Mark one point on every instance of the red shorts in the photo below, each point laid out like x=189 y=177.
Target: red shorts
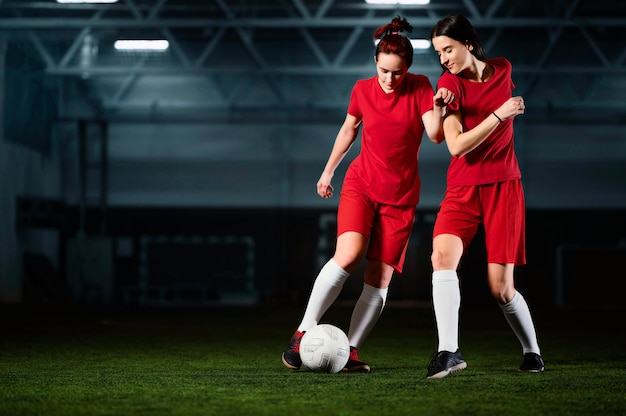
x=499 y=206
x=388 y=227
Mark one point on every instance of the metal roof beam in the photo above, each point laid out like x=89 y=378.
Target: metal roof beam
x=24 y=23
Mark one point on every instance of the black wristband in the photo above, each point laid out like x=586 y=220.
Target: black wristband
x=499 y=119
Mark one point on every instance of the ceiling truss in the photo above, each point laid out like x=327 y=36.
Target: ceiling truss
x=299 y=55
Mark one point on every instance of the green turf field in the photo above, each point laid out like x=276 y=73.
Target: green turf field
x=227 y=362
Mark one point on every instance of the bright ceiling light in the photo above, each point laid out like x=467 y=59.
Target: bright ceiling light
x=416 y=43
x=415 y=2
x=420 y=43
x=141 y=45
x=87 y=1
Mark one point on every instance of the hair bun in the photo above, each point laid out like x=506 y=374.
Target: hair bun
x=397 y=25
x=401 y=25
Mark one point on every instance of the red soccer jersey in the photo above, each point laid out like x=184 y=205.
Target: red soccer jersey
x=494 y=159
x=386 y=169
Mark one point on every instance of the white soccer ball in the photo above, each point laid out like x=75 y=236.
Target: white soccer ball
x=325 y=348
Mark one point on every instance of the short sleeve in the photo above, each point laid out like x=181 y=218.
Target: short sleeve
x=451 y=83
x=353 y=107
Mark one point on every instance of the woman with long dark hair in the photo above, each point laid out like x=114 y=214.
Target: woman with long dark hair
x=483 y=186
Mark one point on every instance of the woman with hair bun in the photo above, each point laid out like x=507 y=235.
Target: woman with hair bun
x=381 y=187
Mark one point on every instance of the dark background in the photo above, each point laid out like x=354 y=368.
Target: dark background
x=188 y=177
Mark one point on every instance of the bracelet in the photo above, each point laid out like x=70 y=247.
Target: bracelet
x=499 y=119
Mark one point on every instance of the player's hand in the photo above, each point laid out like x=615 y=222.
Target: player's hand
x=514 y=106
x=443 y=97
x=324 y=188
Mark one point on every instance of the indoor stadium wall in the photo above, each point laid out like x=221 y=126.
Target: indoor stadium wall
x=216 y=214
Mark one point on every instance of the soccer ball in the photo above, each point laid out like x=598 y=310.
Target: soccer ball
x=325 y=348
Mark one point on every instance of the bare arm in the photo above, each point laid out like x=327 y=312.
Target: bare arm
x=461 y=143
x=433 y=119
x=345 y=138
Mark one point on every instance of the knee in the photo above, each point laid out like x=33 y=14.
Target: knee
x=347 y=260
x=442 y=260
x=502 y=294
x=447 y=252
x=378 y=274
x=499 y=297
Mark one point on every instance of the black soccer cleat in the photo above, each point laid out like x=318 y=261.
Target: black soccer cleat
x=354 y=365
x=533 y=363
x=444 y=363
x=291 y=356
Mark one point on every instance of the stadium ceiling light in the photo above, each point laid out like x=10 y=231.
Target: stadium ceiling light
x=416 y=43
x=420 y=43
x=87 y=1
x=414 y=2
x=141 y=45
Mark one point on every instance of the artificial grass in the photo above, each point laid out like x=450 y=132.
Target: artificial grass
x=226 y=361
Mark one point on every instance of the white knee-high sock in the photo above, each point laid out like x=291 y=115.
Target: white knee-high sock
x=326 y=288
x=446 y=303
x=366 y=312
x=518 y=316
